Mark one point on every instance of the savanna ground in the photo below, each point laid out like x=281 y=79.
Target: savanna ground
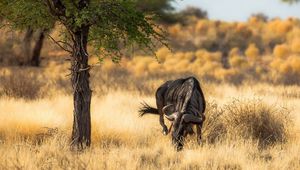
x=253 y=112
x=251 y=126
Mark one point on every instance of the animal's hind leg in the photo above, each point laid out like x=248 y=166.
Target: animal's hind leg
x=160 y=104
x=162 y=123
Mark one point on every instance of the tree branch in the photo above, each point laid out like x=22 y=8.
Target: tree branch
x=66 y=43
x=58 y=43
x=56 y=9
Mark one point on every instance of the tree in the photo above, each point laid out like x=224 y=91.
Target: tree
x=162 y=8
x=193 y=11
x=107 y=25
x=260 y=17
x=32 y=55
x=189 y=13
x=14 y=13
x=166 y=13
x=36 y=52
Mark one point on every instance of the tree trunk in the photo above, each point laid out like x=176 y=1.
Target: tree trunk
x=35 y=59
x=81 y=134
x=27 y=45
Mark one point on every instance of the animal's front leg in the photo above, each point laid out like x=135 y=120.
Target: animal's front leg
x=199 y=127
x=162 y=123
x=199 y=130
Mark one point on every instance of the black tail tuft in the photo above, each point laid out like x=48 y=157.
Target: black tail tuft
x=145 y=109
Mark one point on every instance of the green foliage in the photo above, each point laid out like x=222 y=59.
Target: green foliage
x=166 y=13
x=113 y=24
x=129 y=26
x=162 y=8
x=22 y=14
x=159 y=6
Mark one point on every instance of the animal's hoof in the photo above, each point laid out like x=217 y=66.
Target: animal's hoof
x=179 y=148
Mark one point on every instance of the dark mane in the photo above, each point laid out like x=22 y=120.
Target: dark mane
x=197 y=86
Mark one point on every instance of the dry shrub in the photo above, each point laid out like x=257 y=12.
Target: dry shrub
x=233 y=76
x=175 y=30
x=21 y=84
x=214 y=127
x=286 y=71
x=295 y=46
x=281 y=51
x=252 y=52
x=247 y=119
x=294 y=61
x=256 y=120
x=238 y=61
x=290 y=78
x=234 y=52
x=279 y=27
x=162 y=53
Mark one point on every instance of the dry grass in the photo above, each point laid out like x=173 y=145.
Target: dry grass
x=21 y=84
x=256 y=120
x=34 y=134
x=249 y=125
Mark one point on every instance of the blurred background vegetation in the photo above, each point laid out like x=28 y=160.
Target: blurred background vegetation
x=261 y=49
x=249 y=72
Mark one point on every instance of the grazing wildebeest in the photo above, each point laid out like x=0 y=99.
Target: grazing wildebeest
x=182 y=102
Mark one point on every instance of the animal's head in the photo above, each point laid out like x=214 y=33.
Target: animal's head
x=182 y=123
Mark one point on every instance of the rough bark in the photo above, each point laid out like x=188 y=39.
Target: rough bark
x=81 y=134
x=35 y=58
x=27 y=45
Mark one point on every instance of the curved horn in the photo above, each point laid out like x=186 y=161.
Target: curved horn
x=189 y=118
x=165 y=108
x=172 y=117
x=168 y=112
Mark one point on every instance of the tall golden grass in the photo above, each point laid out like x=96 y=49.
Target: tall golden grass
x=252 y=126
x=249 y=125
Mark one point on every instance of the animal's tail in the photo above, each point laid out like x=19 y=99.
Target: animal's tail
x=146 y=109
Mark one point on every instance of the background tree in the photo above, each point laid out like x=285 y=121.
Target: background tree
x=260 y=16
x=290 y=1
x=166 y=12
x=14 y=14
x=189 y=15
x=32 y=54
x=162 y=8
x=107 y=25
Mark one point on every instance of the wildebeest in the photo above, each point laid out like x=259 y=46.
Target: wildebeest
x=182 y=102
